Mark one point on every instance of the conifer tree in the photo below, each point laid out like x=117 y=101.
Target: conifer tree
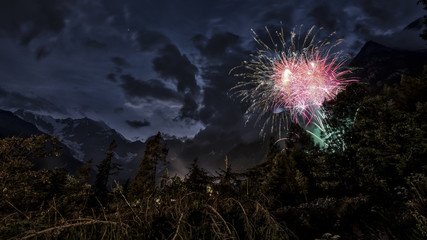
x=83 y=173
x=229 y=180
x=282 y=183
x=145 y=179
x=165 y=179
x=104 y=171
x=272 y=151
x=423 y=35
x=197 y=178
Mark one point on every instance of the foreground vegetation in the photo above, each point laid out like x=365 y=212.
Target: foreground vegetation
x=370 y=182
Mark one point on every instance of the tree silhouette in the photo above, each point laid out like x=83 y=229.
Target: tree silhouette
x=83 y=173
x=282 y=184
x=197 y=178
x=423 y=35
x=145 y=179
x=104 y=171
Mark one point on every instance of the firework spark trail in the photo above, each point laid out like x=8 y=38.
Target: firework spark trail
x=291 y=83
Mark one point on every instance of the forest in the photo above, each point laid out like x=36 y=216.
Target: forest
x=369 y=182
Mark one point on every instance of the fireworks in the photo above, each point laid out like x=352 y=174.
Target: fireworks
x=290 y=82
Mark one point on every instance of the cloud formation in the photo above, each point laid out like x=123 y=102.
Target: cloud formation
x=94 y=44
x=26 y=19
x=217 y=45
x=150 y=40
x=137 y=91
x=171 y=64
x=138 y=124
x=15 y=100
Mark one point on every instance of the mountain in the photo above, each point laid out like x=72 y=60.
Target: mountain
x=415 y=25
x=89 y=140
x=11 y=125
x=377 y=65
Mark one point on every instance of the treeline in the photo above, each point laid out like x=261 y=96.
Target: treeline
x=369 y=182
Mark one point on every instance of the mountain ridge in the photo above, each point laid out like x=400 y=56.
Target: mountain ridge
x=378 y=65
x=11 y=125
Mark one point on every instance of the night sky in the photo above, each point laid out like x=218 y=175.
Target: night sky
x=144 y=66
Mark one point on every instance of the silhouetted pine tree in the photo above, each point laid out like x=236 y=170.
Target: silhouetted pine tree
x=104 y=171
x=83 y=173
x=145 y=179
x=229 y=181
x=423 y=35
x=282 y=183
x=273 y=149
x=288 y=178
x=256 y=177
x=300 y=147
x=197 y=178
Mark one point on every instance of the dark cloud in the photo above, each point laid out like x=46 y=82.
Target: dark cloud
x=138 y=124
x=199 y=41
x=15 y=100
x=325 y=16
x=137 y=91
x=222 y=116
x=120 y=62
x=407 y=39
x=277 y=14
x=119 y=110
x=218 y=109
x=217 y=45
x=42 y=52
x=112 y=77
x=362 y=29
x=27 y=19
x=416 y=25
x=388 y=13
x=352 y=20
x=149 y=40
x=189 y=108
x=171 y=64
x=95 y=44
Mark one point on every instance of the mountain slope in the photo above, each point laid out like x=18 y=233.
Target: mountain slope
x=11 y=125
x=89 y=140
x=378 y=65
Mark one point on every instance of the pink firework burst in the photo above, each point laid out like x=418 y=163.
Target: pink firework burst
x=302 y=83
x=290 y=81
